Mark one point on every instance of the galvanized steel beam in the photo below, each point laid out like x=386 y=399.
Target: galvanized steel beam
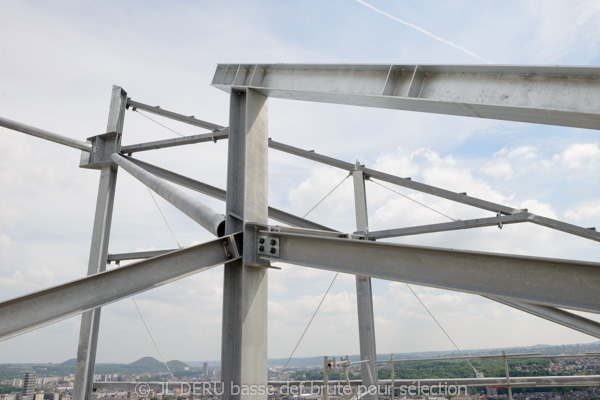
x=90 y=320
x=180 y=141
x=556 y=95
x=274 y=213
x=244 y=332
x=44 y=134
x=193 y=208
x=446 y=194
x=45 y=307
x=175 y=116
x=405 y=182
x=450 y=226
x=364 y=292
x=551 y=282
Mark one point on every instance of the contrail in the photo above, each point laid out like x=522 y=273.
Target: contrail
x=423 y=31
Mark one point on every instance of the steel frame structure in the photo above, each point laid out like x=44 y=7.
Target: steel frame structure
x=247 y=245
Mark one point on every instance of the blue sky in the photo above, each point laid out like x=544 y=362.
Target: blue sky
x=61 y=58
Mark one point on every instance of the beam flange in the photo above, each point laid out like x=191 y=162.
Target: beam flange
x=45 y=307
x=551 y=282
x=556 y=95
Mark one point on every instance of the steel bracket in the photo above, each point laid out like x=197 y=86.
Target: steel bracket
x=232 y=244
x=257 y=244
x=104 y=145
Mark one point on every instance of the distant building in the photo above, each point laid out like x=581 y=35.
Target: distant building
x=28 y=386
x=39 y=396
x=205 y=369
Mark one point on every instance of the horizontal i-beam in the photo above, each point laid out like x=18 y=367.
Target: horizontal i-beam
x=175 y=116
x=43 y=134
x=193 y=208
x=551 y=282
x=556 y=95
x=45 y=307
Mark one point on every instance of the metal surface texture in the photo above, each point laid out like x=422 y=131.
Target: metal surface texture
x=90 y=320
x=364 y=292
x=244 y=331
x=551 y=282
x=41 y=308
x=43 y=134
x=193 y=208
x=554 y=95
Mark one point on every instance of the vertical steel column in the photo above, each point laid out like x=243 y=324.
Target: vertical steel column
x=244 y=334
x=364 y=294
x=90 y=320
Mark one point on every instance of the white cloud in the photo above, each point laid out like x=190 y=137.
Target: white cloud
x=585 y=211
x=506 y=164
x=580 y=156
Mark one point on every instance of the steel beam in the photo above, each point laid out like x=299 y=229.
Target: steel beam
x=556 y=315
x=551 y=282
x=45 y=307
x=244 y=333
x=181 y=141
x=438 y=192
x=193 y=208
x=364 y=292
x=175 y=116
x=450 y=226
x=90 y=320
x=405 y=182
x=43 y=134
x=221 y=194
x=566 y=96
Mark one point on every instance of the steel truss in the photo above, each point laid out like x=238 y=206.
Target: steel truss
x=568 y=96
